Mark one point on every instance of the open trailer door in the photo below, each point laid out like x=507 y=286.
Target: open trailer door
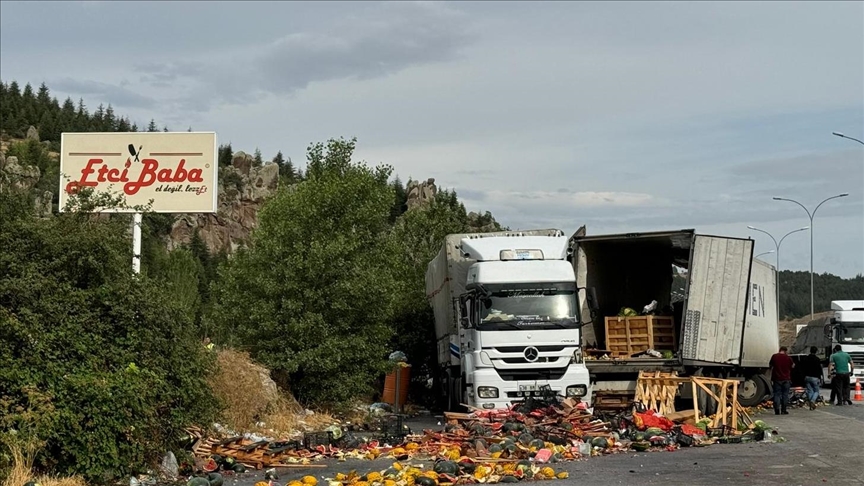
x=716 y=309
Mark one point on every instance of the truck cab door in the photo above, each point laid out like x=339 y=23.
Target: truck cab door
x=465 y=315
x=716 y=306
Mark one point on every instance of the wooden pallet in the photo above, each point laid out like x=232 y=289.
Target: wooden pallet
x=725 y=393
x=657 y=390
x=626 y=336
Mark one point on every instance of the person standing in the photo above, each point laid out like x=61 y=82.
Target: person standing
x=811 y=368
x=843 y=368
x=781 y=380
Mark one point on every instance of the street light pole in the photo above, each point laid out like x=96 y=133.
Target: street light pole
x=764 y=253
x=811 y=216
x=777 y=246
x=844 y=136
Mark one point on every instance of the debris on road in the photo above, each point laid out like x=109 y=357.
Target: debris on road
x=528 y=437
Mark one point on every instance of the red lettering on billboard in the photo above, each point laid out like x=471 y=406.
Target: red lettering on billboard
x=151 y=173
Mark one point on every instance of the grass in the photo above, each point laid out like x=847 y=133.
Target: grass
x=22 y=468
x=250 y=397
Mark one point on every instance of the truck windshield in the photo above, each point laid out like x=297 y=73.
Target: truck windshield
x=529 y=307
x=851 y=332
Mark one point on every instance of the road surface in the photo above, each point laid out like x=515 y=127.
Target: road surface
x=823 y=446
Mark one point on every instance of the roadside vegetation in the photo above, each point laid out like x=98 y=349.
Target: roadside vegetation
x=102 y=370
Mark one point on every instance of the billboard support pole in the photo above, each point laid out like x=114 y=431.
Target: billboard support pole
x=136 y=243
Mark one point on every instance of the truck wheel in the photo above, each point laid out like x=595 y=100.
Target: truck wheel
x=751 y=391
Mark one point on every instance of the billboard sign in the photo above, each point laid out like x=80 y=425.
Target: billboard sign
x=177 y=171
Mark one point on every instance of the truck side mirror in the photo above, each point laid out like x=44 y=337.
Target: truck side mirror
x=833 y=321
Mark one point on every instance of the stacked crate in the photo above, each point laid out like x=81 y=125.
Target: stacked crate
x=626 y=336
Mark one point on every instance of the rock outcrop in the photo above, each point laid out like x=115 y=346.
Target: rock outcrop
x=421 y=193
x=17 y=176
x=33 y=133
x=242 y=190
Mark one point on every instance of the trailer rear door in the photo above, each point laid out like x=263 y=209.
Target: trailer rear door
x=716 y=306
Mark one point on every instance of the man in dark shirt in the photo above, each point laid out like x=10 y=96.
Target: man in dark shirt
x=781 y=379
x=811 y=368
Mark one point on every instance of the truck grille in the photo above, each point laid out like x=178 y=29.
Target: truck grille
x=529 y=375
x=521 y=349
x=857 y=358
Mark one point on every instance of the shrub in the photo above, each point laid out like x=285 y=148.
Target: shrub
x=97 y=363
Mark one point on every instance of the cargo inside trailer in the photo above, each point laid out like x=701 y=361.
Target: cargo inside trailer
x=631 y=272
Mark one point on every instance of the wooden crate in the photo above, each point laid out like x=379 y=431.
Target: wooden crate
x=612 y=400
x=626 y=336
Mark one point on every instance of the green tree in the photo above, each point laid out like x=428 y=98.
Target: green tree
x=151 y=127
x=258 y=161
x=97 y=364
x=400 y=201
x=182 y=273
x=287 y=173
x=314 y=292
x=226 y=154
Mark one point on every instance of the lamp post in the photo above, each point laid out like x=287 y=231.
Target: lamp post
x=764 y=253
x=811 y=216
x=777 y=246
x=844 y=136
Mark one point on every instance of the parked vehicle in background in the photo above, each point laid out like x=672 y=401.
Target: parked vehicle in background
x=845 y=327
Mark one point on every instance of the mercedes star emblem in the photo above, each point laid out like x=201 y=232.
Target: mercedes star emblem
x=531 y=354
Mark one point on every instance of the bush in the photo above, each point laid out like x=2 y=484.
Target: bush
x=98 y=364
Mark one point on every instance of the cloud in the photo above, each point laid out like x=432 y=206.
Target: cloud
x=117 y=96
x=381 y=40
x=576 y=199
x=166 y=74
x=385 y=40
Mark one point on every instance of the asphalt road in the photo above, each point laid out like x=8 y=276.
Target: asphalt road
x=823 y=446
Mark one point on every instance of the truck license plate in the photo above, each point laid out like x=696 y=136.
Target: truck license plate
x=527 y=387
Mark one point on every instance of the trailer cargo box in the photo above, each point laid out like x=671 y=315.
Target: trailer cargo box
x=632 y=270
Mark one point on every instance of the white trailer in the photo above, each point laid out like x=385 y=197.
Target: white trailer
x=506 y=318
x=725 y=317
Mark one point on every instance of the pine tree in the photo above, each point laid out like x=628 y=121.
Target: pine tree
x=400 y=202
x=98 y=119
x=47 y=127
x=82 y=117
x=286 y=169
x=43 y=100
x=110 y=122
x=152 y=126
x=123 y=125
x=226 y=154
x=4 y=101
x=258 y=162
x=279 y=159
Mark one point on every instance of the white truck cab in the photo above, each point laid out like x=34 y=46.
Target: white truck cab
x=516 y=330
x=847 y=330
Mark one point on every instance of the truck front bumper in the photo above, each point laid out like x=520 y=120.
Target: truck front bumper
x=489 y=391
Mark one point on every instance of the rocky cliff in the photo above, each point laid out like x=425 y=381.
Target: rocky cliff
x=242 y=191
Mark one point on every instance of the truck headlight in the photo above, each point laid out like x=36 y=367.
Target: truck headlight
x=487 y=392
x=577 y=356
x=577 y=390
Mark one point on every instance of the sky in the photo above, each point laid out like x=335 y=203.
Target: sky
x=624 y=117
